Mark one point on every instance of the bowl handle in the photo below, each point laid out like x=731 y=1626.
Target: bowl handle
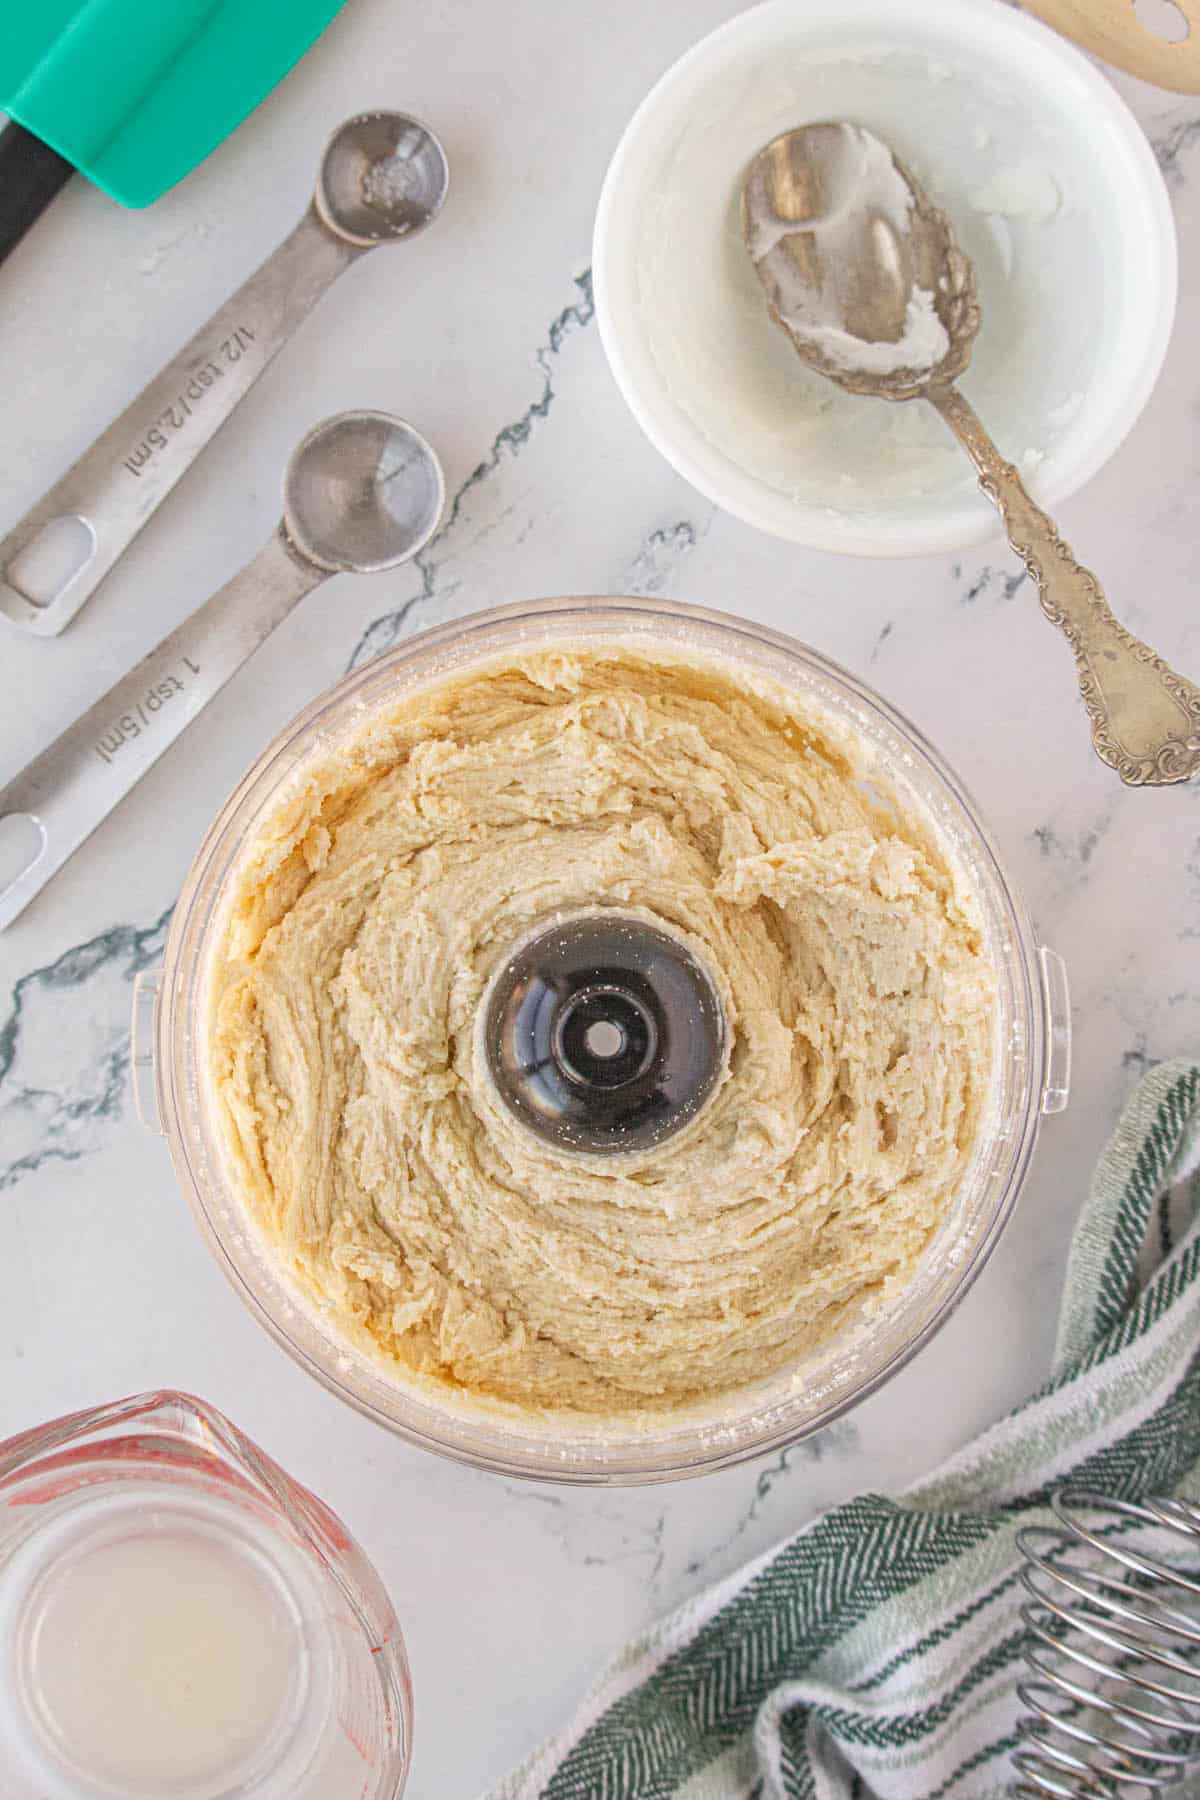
x=1057 y=1089
x=146 y=988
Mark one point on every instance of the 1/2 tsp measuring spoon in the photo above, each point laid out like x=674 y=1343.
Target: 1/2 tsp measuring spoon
x=363 y=492
x=383 y=177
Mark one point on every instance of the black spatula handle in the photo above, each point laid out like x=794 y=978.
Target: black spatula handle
x=31 y=173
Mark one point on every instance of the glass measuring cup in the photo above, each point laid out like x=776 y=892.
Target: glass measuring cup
x=180 y=1620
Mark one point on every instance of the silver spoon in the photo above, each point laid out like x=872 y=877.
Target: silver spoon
x=866 y=278
x=363 y=492
x=383 y=177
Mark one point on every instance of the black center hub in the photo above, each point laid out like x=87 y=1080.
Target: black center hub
x=604 y=1034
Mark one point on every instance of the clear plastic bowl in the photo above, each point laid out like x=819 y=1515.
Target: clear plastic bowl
x=1030 y=1067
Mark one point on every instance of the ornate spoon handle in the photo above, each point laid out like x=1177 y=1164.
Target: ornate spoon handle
x=1145 y=718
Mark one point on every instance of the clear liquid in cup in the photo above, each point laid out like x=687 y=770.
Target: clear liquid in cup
x=160 y=1645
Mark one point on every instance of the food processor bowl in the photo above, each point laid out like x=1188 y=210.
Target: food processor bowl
x=1029 y=1067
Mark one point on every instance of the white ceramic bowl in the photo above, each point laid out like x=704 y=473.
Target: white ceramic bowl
x=1054 y=192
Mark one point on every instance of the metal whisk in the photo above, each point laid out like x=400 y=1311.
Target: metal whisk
x=1113 y=1621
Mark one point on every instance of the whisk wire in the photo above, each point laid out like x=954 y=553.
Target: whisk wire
x=1112 y=1640
x=1091 y=1585
x=1029 y=1695
x=1137 y=1718
x=1156 y=1512
x=1113 y=1709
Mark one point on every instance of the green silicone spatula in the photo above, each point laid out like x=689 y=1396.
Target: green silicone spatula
x=132 y=93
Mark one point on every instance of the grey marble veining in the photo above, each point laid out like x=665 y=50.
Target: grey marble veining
x=507 y=444
x=991 y=583
x=658 y=563
x=64 y=1049
x=1173 y=141
x=484 y=335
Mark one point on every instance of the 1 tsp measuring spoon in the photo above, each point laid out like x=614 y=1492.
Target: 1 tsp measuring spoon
x=383 y=177
x=363 y=492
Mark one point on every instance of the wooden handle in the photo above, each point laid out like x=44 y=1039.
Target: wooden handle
x=1112 y=30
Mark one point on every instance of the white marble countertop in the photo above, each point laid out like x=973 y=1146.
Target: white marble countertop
x=482 y=333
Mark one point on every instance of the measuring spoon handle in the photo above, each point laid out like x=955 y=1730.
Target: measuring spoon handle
x=61 y=797
x=118 y=484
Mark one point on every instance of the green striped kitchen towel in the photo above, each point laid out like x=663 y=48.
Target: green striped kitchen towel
x=877 y=1652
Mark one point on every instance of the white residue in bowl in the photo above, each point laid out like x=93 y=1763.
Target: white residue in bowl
x=1023 y=190
x=1009 y=185
x=862 y=192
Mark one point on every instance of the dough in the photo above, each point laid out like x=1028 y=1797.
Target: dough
x=364 y=1133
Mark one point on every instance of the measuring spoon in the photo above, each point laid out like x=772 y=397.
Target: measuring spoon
x=382 y=178
x=363 y=492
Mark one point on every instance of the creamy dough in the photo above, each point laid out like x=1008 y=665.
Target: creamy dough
x=363 y=1131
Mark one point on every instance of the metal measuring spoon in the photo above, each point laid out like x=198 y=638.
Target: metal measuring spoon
x=383 y=177
x=865 y=276
x=363 y=492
